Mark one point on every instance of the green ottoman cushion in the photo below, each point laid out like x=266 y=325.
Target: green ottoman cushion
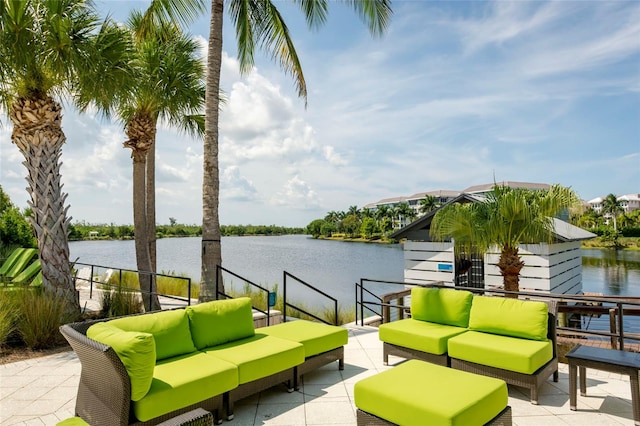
x=259 y=356
x=508 y=353
x=315 y=337
x=419 y=335
x=184 y=380
x=73 y=421
x=421 y=393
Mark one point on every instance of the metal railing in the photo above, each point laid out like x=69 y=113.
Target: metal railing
x=620 y=309
x=92 y=280
x=269 y=299
x=286 y=304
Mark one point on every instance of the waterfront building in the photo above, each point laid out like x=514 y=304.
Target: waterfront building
x=628 y=203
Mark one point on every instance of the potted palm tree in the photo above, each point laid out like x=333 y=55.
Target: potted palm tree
x=507 y=218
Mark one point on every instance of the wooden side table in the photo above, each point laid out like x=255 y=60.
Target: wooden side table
x=615 y=361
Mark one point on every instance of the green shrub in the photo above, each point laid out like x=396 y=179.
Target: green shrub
x=8 y=315
x=40 y=315
x=121 y=301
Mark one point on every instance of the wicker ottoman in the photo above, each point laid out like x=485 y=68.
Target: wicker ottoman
x=419 y=393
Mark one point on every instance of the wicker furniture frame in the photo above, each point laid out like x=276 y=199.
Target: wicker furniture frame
x=314 y=362
x=104 y=392
x=504 y=418
x=530 y=381
x=408 y=353
x=615 y=361
x=197 y=417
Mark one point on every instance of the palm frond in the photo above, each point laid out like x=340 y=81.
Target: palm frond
x=376 y=14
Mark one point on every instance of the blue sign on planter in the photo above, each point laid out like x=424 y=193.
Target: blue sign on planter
x=445 y=267
x=272 y=299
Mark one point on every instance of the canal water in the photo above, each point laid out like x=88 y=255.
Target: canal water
x=331 y=266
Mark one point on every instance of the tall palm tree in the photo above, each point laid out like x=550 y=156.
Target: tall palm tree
x=257 y=23
x=49 y=50
x=427 y=204
x=611 y=207
x=507 y=218
x=168 y=85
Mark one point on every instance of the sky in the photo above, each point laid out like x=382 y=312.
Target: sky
x=454 y=94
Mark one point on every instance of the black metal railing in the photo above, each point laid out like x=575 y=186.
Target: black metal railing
x=93 y=280
x=621 y=310
x=286 y=304
x=270 y=302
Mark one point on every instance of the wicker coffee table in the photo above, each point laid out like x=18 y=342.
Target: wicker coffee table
x=621 y=362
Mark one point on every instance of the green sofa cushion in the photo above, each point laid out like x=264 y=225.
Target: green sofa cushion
x=184 y=380
x=170 y=330
x=315 y=337
x=420 y=393
x=442 y=306
x=220 y=321
x=509 y=317
x=136 y=350
x=259 y=356
x=419 y=335
x=508 y=353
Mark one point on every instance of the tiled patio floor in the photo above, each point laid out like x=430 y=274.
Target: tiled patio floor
x=42 y=391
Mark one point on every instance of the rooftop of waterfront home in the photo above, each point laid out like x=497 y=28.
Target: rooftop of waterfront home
x=42 y=391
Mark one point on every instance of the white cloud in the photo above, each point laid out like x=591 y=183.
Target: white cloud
x=234 y=186
x=296 y=194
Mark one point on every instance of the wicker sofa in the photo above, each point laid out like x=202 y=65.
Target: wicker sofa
x=510 y=339
x=145 y=369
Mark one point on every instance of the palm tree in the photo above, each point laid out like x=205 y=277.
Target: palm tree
x=354 y=210
x=427 y=204
x=507 y=218
x=257 y=23
x=403 y=211
x=48 y=50
x=168 y=85
x=611 y=206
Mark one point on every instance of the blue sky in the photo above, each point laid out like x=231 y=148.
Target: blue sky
x=455 y=94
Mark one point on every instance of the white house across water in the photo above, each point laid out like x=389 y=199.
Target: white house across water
x=550 y=268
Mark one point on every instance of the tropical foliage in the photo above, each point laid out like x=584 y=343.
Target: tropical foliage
x=49 y=50
x=507 y=218
x=366 y=223
x=15 y=230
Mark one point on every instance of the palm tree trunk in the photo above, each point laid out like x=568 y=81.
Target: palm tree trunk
x=510 y=266
x=211 y=247
x=38 y=134
x=151 y=210
x=141 y=130
x=143 y=260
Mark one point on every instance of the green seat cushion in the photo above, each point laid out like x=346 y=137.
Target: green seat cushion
x=420 y=393
x=185 y=380
x=509 y=317
x=220 y=321
x=509 y=353
x=441 y=305
x=170 y=329
x=73 y=421
x=315 y=337
x=136 y=350
x=259 y=356
x=419 y=335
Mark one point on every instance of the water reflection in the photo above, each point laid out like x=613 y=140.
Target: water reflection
x=611 y=272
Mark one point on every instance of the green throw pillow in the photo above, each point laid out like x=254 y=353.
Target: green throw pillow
x=220 y=321
x=509 y=317
x=136 y=350
x=441 y=305
x=170 y=330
